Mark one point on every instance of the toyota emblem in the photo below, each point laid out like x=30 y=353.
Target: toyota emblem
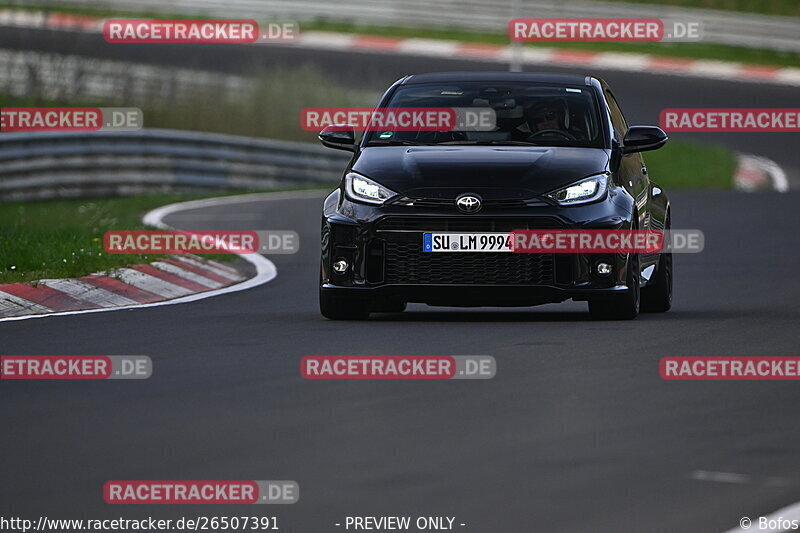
x=469 y=203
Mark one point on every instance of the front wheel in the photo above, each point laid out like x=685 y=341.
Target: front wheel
x=657 y=297
x=334 y=307
x=623 y=306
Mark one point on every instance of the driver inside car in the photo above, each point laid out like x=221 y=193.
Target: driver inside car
x=545 y=120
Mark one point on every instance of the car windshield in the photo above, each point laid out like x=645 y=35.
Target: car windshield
x=497 y=114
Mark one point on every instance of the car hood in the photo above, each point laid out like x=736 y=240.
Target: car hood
x=494 y=172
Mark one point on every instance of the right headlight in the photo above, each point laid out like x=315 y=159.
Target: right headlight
x=363 y=189
x=581 y=192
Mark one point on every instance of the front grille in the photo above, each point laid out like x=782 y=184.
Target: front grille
x=465 y=223
x=450 y=203
x=406 y=263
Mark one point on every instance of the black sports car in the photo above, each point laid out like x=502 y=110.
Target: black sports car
x=560 y=155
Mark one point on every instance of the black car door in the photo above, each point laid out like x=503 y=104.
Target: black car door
x=632 y=171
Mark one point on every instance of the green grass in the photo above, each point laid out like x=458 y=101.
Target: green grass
x=685 y=165
x=765 y=7
x=63 y=238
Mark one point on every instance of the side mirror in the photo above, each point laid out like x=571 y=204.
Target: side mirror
x=339 y=137
x=642 y=139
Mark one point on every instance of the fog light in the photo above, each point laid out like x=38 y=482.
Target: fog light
x=603 y=269
x=340 y=266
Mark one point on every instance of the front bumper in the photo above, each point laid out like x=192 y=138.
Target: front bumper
x=472 y=295
x=383 y=248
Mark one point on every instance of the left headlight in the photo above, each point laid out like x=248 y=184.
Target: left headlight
x=363 y=189
x=582 y=192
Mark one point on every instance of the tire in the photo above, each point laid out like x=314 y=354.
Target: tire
x=388 y=306
x=657 y=296
x=620 y=306
x=334 y=307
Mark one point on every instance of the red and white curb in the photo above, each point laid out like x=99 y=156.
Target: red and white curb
x=527 y=55
x=172 y=281
x=755 y=173
x=557 y=57
x=139 y=284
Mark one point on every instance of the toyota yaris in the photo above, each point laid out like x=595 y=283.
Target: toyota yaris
x=558 y=155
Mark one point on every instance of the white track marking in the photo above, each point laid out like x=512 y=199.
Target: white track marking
x=537 y=56
x=790 y=76
x=225 y=273
x=90 y=293
x=149 y=283
x=314 y=39
x=617 y=61
x=749 y=164
x=265 y=269
x=707 y=68
x=227 y=216
x=220 y=266
x=720 y=477
x=428 y=47
x=9 y=302
x=191 y=276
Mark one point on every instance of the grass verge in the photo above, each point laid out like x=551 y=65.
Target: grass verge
x=686 y=165
x=63 y=238
x=765 y=7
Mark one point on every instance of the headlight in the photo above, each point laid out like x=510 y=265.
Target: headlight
x=363 y=189
x=582 y=192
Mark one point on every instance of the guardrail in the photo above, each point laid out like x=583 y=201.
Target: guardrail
x=67 y=165
x=720 y=27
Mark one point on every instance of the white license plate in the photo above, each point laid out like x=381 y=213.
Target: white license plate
x=466 y=242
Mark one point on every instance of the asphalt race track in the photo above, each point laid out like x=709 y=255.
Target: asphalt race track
x=576 y=433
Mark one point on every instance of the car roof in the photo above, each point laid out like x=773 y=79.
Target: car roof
x=528 y=77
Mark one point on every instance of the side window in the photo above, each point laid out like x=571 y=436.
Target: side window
x=617 y=118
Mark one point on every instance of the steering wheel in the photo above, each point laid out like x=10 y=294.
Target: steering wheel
x=564 y=134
